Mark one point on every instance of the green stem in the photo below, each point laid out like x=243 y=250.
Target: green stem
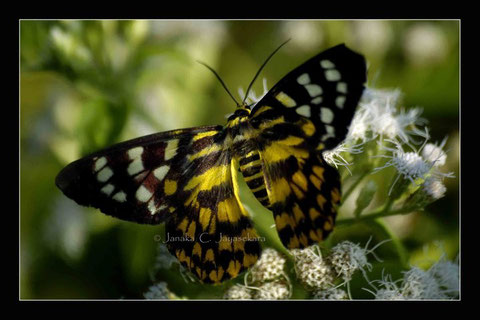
x=383 y=229
x=384 y=212
x=353 y=186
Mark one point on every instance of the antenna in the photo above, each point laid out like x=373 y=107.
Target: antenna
x=219 y=79
x=259 y=70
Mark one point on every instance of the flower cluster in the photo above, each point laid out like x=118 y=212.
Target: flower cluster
x=159 y=291
x=266 y=280
x=319 y=274
x=440 y=281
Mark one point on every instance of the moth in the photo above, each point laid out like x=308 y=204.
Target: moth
x=187 y=178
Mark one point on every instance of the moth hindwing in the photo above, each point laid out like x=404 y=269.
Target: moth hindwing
x=187 y=177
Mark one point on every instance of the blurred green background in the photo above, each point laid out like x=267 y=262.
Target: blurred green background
x=87 y=84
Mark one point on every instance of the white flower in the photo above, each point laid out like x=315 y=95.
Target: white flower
x=238 y=292
x=275 y=290
x=377 y=115
x=447 y=275
x=268 y=267
x=346 y=258
x=334 y=158
x=410 y=165
x=331 y=294
x=312 y=271
x=388 y=294
x=434 y=154
x=389 y=289
x=158 y=291
x=419 y=284
x=434 y=188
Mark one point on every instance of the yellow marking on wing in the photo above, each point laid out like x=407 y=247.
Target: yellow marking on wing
x=191 y=230
x=297 y=213
x=280 y=190
x=182 y=257
x=170 y=187
x=313 y=236
x=308 y=128
x=234 y=268
x=321 y=200
x=274 y=153
x=206 y=181
x=316 y=182
x=291 y=141
x=205 y=151
x=335 y=195
x=262 y=110
x=320 y=233
x=171 y=149
x=210 y=178
x=285 y=99
x=197 y=249
x=300 y=179
x=228 y=210
x=313 y=213
x=224 y=244
x=298 y=193
x=320 y=146
x=204 y=217
x=213 y=226
x=216 y=276
x=303 y=239
x=249 y=259
x=283 y=220
x=327 y=226
x=318 y=171
x=204 y=134
x=271 y=123
x=293 y=243
x=209 y=255
x=183 y=225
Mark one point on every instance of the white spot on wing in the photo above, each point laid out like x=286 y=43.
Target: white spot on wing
x=303 y=79
x=313 y=90
x=171 y=149
x=135 y=167
x=120 y=196
x=317 y=100
x=327 y=64
x=326 y=115
x=332 y=75
x=161 y=172
x=135 y=153
x=304 y=111
x=340 y=101
x=108 y=189
x=100 y=163
x=151 y=207
x=342 y=87
x=143 y=194
x=104 y=174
